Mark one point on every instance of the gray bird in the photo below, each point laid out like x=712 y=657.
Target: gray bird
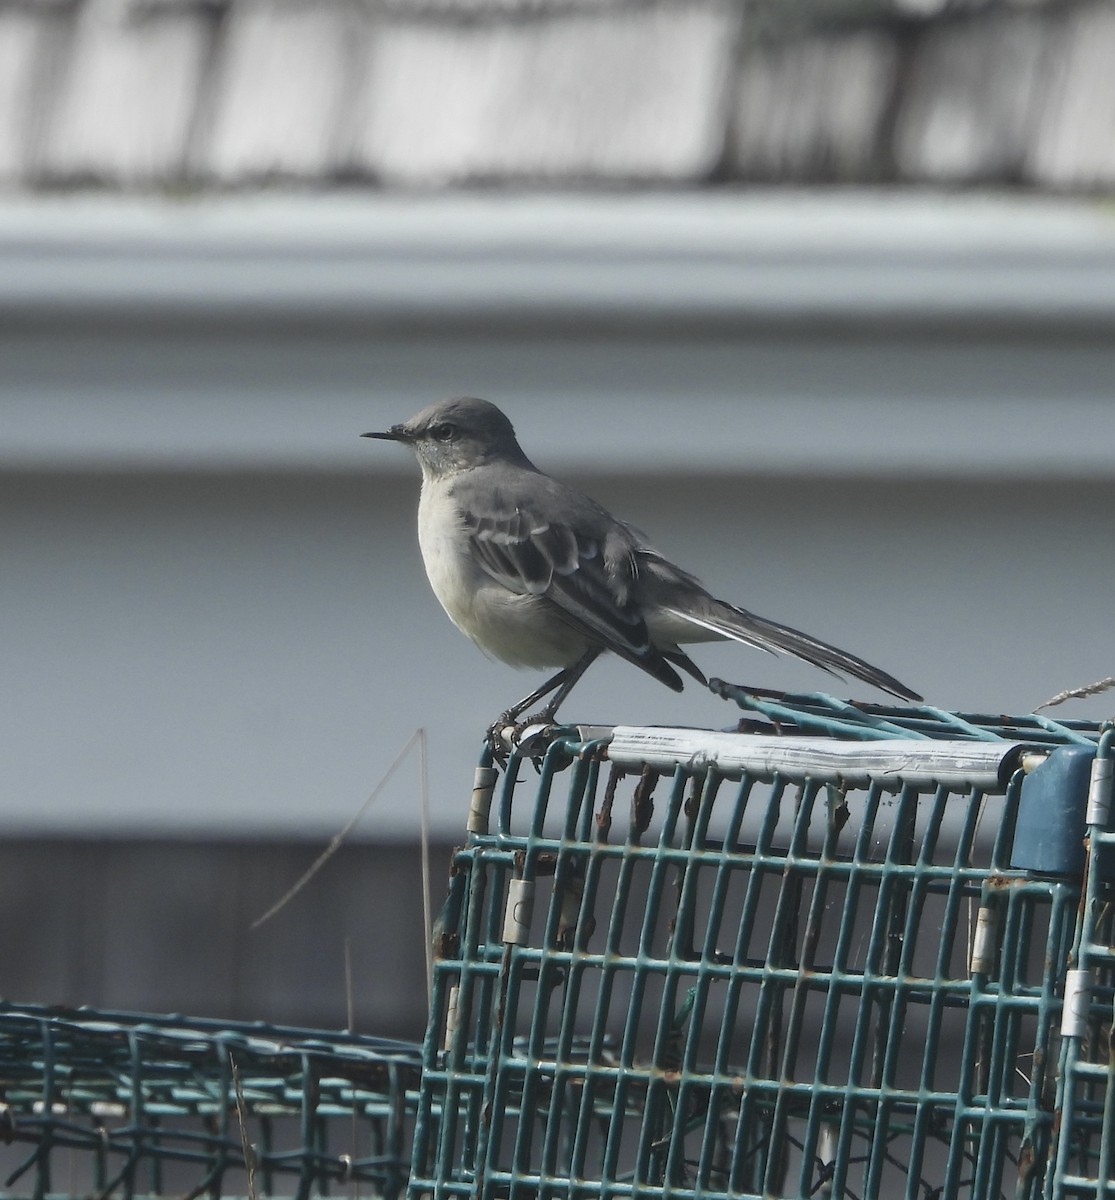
x=539 y=575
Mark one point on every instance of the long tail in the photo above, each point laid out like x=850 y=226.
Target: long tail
x=742 y=626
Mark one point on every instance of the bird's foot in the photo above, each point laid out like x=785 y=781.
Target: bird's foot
x=497 y=743
x=511 y=731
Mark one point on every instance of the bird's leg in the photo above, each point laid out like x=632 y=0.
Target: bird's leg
x=510 y=715
x=565 y=685
x=560 y=684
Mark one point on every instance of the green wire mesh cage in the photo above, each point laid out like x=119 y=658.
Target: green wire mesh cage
x=694 y=964
x=117 y=1104
x=840 y=951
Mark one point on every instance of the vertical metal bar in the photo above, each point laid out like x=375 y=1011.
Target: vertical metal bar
x=894 y=904
x=138 y=1112
x=732 y=864
x=614 y=966
x=42 y=1153
x=699 y=1103
x=939 y=985
x=859 y=875
x=496 y=1104
x=557 y=969
x=752 y=1147
x=657 y=1117
x=678 y=1039
x=975 y=1033
x=800 y=867
x=819 y=1125
x=506 y=1071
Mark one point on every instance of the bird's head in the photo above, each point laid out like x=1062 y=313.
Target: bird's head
x=455 y=435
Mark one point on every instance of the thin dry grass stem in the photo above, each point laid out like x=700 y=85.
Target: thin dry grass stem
x=418 y=736
x=1079 y=693
x=241 y=1117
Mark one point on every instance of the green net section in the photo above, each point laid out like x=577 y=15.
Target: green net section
x=1075 y=837
x=700 y=978
x=99 y=1104
x=1085 y=1158
x=874 y=963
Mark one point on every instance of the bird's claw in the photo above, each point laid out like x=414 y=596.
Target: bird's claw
x=513 y=732
x=497 y=743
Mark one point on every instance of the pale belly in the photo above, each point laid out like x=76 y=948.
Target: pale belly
x=518 y=629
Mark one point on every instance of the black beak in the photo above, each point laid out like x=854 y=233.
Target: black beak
x=397 y=433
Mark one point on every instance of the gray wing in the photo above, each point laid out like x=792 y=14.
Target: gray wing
x=561 y=547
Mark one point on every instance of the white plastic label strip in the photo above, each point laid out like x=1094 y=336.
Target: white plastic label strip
x=898 y=760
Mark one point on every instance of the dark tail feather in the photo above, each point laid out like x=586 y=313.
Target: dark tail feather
x=743 y=626
x=654 y=663
x=680 y=659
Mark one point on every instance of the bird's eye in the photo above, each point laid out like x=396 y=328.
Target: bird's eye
x=444 y=432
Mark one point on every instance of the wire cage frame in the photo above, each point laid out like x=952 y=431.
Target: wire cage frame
x=842 y=950
x=96 y=1103
x=695 y=964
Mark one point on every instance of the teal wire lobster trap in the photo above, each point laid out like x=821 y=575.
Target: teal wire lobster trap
x=691 y=964
x=842 y=950
x=103 y=1104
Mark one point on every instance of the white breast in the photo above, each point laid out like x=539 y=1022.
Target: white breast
x=518 y=629
x=444 y=543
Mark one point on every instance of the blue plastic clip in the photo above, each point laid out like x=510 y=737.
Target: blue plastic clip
x=1052 y=813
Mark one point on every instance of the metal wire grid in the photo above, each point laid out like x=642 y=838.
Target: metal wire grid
x=767 y=987
x=126 y=1104
x=880 y=1020
x=1086 y=1076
